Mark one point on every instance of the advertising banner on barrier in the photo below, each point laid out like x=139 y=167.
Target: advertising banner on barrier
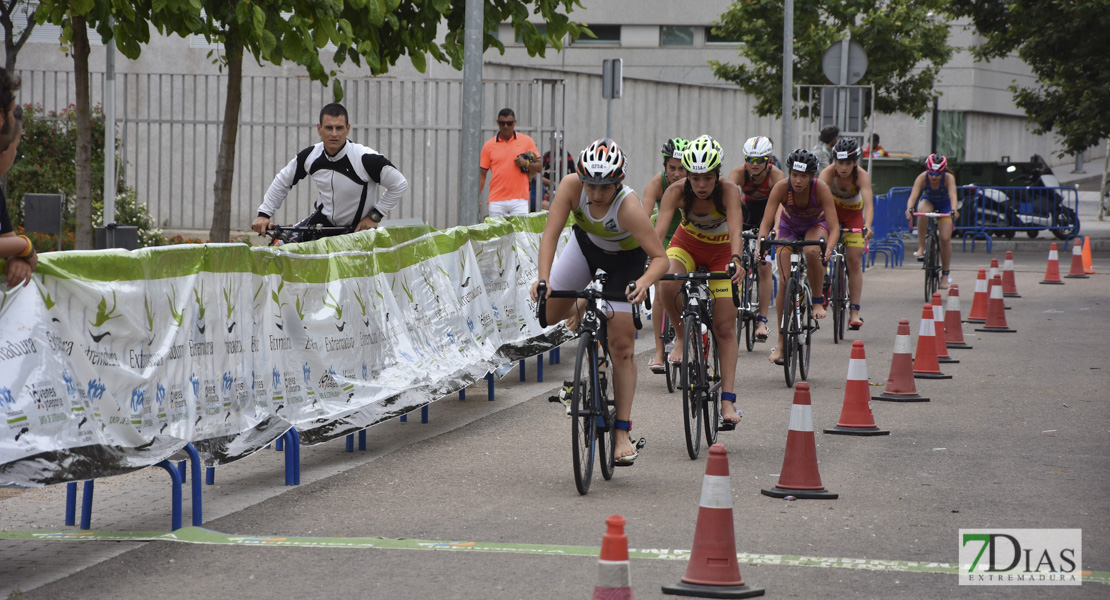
x=113 y=360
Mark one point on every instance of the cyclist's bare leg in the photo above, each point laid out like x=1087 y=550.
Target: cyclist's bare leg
x=724 y=327
x=815 y=270
x=922 y=226
x=765 y=284
x=945 y=229
x=574 y=311
x=671 y=291
x=622 y=350
x=854 y=259
x=783 y=254
x=559 y=309
x=657 y=327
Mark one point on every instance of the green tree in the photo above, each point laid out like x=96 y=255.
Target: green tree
x=1064 y=43
x=905 y=48
x=15 y=18
x=378 y=32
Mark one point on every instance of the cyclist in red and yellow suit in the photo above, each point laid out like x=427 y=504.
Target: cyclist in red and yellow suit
x=851 y=189
x=708 y=236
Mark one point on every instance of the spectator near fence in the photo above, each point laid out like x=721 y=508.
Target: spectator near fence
x=878 y=151
x=21 y=259
x=513 y=159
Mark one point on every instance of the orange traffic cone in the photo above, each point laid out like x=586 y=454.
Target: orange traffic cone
x=978 y=312
x=996 y=315
x=714 y=571
x=1052 y=272
x=1009 y=286
x=1076 y=271
x=938 y=331
x=900 y=385
x=855 y=416
x=953 y=325
x=1087 y=268
x=925 y=364
x=614 y=580
x=799 y=476
x=994 y=269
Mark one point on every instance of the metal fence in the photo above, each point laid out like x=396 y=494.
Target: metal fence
x=169 y=131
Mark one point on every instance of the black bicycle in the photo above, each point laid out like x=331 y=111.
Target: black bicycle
x=797 y=325
x=280 y=234
x=836 y=285
x=932 y=252
x=700 y=372
x=748 y=315
x=592 y=409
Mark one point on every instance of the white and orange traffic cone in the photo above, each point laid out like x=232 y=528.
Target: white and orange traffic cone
x=925 y=364
x=614 y=578
x=996 y=315
x=799 y=476
x=1009 y=285
x=938 y=331
x=978 y=313
x=714 y=571
x=1077 y=271
x=993 y=270
x=953 y=325
x=900 y=385
x=855 y=415
x=1052 y=271
x=1087 y=268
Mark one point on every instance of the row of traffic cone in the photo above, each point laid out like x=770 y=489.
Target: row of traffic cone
x=1080 y=263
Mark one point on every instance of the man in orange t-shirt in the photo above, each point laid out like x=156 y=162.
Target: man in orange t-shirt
x=514 y=159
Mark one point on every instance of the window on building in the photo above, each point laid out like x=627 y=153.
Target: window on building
x=713 y=38
x=676 y=35
x=607 y=35
x=541 y=28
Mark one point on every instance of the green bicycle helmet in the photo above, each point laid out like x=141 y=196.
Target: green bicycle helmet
x=674 y=148
x=703 y=155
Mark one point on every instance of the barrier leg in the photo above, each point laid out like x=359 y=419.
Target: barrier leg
x=462 y=395
x=293 y=458
x=279 y=444
x=522 y=369
x=350 y=442
x=175 y=482
x=424 y=414
x=196 y=499
x=405 y=418
x=210 y=475
x=86 y=505
x=539 y=368
x=551 y=355
x=489 y=380
x=71 y=503
x=362 y=440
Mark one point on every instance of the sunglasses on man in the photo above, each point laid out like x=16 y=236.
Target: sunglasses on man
x=506 y=123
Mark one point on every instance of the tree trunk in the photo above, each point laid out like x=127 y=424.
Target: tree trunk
x=84 y=231
x=225 y=161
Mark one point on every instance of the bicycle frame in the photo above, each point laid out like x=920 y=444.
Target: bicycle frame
x=932 y=261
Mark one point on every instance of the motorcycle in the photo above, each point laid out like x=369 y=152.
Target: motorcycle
x=1040 y=208
x=989 y=208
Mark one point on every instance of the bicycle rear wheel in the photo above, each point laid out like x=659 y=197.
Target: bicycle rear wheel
x=692 y=385
x=711 y=394
x=790 y=325
x=749 y=309
x=583 y=418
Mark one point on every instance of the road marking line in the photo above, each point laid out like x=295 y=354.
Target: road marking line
x=200 y=535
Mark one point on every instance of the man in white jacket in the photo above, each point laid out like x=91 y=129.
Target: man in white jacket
x=357 y=186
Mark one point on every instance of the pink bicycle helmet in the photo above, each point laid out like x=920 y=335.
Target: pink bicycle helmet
x=936 y=163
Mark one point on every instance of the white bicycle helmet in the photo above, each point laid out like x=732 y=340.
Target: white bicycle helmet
x=601 y=162
x=757 y=147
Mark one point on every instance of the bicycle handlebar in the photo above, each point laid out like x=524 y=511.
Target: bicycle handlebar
x=704 y=276
x=543 y=294
x=932 y=214
x=275 y=231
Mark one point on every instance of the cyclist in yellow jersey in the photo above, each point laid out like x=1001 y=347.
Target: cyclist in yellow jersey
x=851 y=189
x=653 y=193
x=611 y=232
x=712 y=218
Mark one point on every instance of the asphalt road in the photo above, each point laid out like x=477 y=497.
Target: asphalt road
x=1017 y=439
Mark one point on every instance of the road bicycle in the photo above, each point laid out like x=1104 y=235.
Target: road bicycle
x=700 y=372
x=797 y=325
x=592 y=408
x=748 y=314
x=836 y=285
x=280 y=234
x=931 y=254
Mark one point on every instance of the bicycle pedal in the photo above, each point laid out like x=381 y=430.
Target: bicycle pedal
x=724 y=425
x=640 y=444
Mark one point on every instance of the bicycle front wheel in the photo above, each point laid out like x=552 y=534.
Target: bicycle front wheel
x=606 y=428
x=838 y=298
x=749 y=309
x=670 y=371
x=711 y=396
x=932 y=264
x=583 y=418
x=692 y=370
x=790 y=327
